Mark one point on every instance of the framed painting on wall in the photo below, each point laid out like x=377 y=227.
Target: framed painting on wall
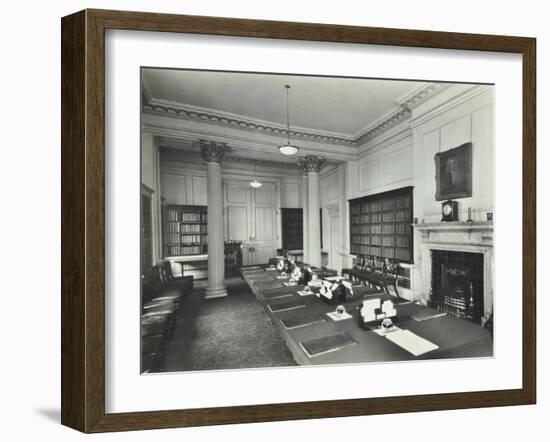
x=453 y=169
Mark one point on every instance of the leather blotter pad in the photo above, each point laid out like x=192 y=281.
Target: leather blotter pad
x=282 y=306
x=327 y=344
x=276 y=294
x=302 y=321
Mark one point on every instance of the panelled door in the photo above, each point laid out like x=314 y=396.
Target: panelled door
x=250 y=217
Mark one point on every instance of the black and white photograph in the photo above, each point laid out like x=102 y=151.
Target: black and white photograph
x=295 y=220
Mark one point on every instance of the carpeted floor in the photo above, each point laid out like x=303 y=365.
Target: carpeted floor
x=224 y=333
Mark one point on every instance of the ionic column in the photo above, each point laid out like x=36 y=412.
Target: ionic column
x=305 y=217
x=312 y=164
x=213 y=152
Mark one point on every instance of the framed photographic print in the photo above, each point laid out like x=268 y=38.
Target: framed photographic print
x=252 y=231
x=453 y=170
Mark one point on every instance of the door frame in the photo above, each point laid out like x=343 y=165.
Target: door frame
x=335 y=258
x=234 y=178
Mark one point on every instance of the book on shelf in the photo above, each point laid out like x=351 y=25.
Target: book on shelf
x=190 y=217
x=185 y=230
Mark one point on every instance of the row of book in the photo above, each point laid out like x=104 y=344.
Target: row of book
x=176 y=227
x=194 y=239
x=398 y=215
x=190 y=228
x=175 y=250
x=174 y=215
x=173 y=227
x=194 y=217
x=177 y=239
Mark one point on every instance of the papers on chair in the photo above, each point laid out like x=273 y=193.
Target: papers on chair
x=412 y=343
x=327 y=293
x=347 y=284
x=305 y=293
x=338 y=317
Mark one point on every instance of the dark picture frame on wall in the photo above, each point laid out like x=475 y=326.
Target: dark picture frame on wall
x=453 y=173
x=85 y=190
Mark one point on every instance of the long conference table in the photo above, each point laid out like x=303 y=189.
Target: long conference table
x=306 y=324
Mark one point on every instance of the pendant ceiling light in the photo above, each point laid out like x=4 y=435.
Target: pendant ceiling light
x=288 y=149
x=255 y=183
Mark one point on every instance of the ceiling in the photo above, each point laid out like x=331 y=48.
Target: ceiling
x=343 y=106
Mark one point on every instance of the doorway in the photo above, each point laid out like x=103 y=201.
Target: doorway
x=250 y=217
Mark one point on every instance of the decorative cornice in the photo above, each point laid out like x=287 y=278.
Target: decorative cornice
x=401 y=112
x=404 y=111
x=452 y=102
x=218 y=118
x=190 y=153
x=387 y=123
x=212 y=151
x=311 y=163
x=420 y=95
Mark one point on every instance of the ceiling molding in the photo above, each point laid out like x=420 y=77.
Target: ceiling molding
x=457 y=99
x=196 y=155
x=418 y=96
x=232 y=120
x=401 y=112
x=252 y=142
x=386 y=123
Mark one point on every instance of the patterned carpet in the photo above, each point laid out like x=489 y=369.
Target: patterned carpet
x=224 y=333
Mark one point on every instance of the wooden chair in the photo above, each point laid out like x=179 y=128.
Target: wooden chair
x=391 y=275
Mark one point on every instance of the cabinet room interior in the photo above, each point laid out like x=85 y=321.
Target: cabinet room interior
x=302 y=220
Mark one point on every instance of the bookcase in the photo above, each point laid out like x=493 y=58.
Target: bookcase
x=146 y=233
x=292 y=228
x=185 y=230
x=381 y=225
x=292 y=223
x=186 y=242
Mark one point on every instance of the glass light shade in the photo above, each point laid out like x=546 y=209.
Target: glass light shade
x=255 y=184
x=288 y=149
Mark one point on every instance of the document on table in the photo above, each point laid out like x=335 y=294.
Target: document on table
x=338 y=317
x=412 y=343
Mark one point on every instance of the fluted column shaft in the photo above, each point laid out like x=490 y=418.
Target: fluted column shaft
x=314 y=220
x=305 y=218
x=213 y=154
x=312 y=165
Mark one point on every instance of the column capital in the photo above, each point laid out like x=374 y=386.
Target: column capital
x=311 y=163
x=213 y=151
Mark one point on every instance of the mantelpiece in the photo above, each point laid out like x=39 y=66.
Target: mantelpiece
x=465 y=236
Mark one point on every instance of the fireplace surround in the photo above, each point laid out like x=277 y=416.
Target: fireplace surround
x=457 y=284
x=462 y=252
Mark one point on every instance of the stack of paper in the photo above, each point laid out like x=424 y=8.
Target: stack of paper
x=412 y=343
x=388 y=308
x=368 y=311
x=338 y=317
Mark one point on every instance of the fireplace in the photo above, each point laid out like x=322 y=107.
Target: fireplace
x=455 y=259
x=457 y=284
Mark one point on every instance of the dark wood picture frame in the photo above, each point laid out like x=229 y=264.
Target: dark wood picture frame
x=462 y=188
x=83 y=220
